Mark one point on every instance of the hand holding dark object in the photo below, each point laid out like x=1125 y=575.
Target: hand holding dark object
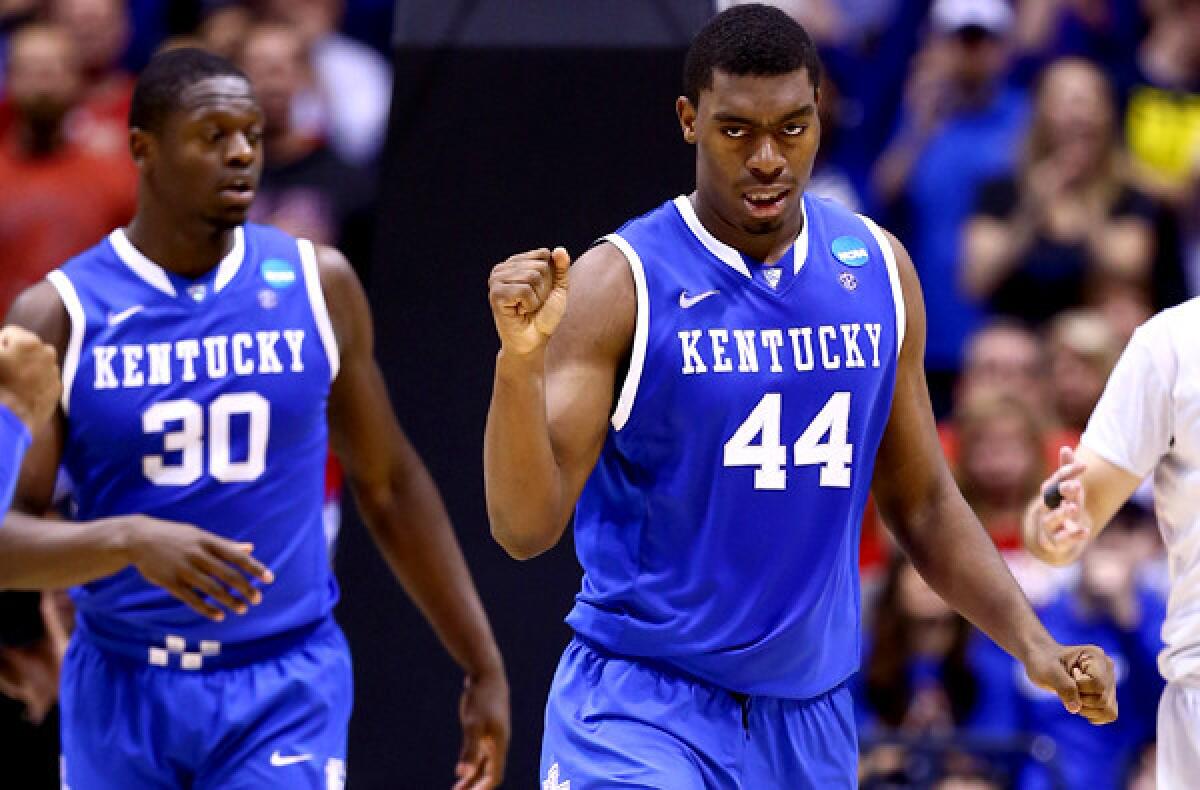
x=205 y=571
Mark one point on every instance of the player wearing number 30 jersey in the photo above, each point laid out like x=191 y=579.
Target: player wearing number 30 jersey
x=713 y=391
x=208 y=366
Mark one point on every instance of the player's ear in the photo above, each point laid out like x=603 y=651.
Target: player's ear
x=687 y=118
x=141 y=143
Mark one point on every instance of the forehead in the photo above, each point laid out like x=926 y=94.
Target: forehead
x=754 y=96
x=39 y=44
x=225 y=95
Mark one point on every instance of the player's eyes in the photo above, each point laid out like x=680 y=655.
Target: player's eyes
x=794 y=129
x=734 y=132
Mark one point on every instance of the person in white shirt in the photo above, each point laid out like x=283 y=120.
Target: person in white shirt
x=1147 y=421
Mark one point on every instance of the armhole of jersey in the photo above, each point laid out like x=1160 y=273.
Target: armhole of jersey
x=70 y=300
x=316 y=300
x=641 y=333
x=889 y=258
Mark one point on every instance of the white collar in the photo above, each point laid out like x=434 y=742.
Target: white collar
x=728 y=255
x=157 y=277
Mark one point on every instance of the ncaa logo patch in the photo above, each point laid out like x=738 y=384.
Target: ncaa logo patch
x=278 y=273
x=850 y=250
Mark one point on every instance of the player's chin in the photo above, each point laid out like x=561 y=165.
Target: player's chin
x=228 y=217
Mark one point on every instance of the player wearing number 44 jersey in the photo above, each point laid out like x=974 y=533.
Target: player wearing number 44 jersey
x=207 y=366
x=713 y=390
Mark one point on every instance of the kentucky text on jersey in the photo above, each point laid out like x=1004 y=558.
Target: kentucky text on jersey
x=798 y=349
x=132 y=366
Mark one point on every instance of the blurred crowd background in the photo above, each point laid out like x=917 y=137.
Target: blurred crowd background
x=1039 y=158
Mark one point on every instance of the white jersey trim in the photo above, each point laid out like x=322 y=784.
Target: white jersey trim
x=70 y=300
x=154 y=274
x=728 y=255
x=316 y=300
x=889 y=258
x=641 y=333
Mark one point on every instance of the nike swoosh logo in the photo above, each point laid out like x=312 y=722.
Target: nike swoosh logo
x=686 y=301
x=279 y=761
x=116 y=318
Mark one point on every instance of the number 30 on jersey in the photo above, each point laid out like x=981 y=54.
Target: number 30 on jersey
x=769 y=457
x=189 y=440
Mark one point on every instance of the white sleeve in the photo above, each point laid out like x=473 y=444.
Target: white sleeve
x=1133 y=423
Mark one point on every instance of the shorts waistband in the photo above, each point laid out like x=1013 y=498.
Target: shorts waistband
x=178 y=653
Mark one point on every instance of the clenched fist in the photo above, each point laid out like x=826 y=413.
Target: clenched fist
x=30 y=383
x=528 y=294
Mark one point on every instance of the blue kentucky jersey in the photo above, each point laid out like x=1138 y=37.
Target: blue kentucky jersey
x=719 y=531
x=202 y=401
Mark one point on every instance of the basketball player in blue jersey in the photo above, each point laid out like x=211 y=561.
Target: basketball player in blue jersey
x=207 y=365
x=714 y=390
x=29 y=391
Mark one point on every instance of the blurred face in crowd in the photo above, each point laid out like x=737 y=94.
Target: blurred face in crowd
x=1083 y=350
x=223 y=30
x=1001 y=452
x=42 y=78
x=206 y=160
x=1004 y=360
x=975 y=58
x=311 y=18
x=1075 y=105
x=756 y=140
x=99 y=28
x=273 y=58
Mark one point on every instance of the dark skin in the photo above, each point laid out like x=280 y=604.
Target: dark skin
x=557 y=370
x=198 y=173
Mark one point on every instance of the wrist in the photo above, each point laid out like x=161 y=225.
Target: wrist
x=121 y=538
x=1037 y=644
x=515 y=364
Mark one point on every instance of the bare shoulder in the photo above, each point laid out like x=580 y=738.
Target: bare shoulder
x=40 y=309
x=602 y=306
x=349 y=311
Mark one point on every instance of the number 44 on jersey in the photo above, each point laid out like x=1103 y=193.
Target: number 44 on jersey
x=823 y=442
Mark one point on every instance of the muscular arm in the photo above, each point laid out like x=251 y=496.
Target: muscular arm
x=551 y=405
x=394 y=492
x=36 y=552
x=921 y=503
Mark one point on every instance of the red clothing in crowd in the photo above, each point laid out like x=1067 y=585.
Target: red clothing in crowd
x=55 y=207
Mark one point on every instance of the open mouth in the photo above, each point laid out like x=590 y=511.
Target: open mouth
x=238 y=191
x=765 y=201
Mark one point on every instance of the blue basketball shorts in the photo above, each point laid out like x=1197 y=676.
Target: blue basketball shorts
x=614 y=722
x=276 y=723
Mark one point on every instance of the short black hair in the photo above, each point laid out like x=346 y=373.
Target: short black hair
x=161 y=84
x=749 y=40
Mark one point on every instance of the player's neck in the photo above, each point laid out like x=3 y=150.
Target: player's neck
x=187 y=248
x=764 y=247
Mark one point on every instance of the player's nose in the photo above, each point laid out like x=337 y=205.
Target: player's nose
x=767 y=162
x=240 y=151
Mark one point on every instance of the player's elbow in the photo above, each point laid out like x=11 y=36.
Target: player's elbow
x=523 y=544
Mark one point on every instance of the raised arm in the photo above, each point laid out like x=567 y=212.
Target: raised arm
x=199 y=568
x=554 y=389
x=922 y=505
x=404 y=512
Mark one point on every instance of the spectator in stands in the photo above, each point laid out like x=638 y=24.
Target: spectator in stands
x=353 y=85
x=1083 y=347
x=62 y=197
x=224 y=27
x=1108 y=607
x=959 y=128
x=1001 y=462
x=829 y=178
x=915 y=678
x=1162 y=100
x=99 y=31
x=307 y=189
x=1104 y=31
x=1066 y=228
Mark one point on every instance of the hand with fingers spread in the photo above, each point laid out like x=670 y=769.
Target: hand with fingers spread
x=1058 y=522
x=528 y=294
x=1082 y=676
x=485 y=721
x=208 y=573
